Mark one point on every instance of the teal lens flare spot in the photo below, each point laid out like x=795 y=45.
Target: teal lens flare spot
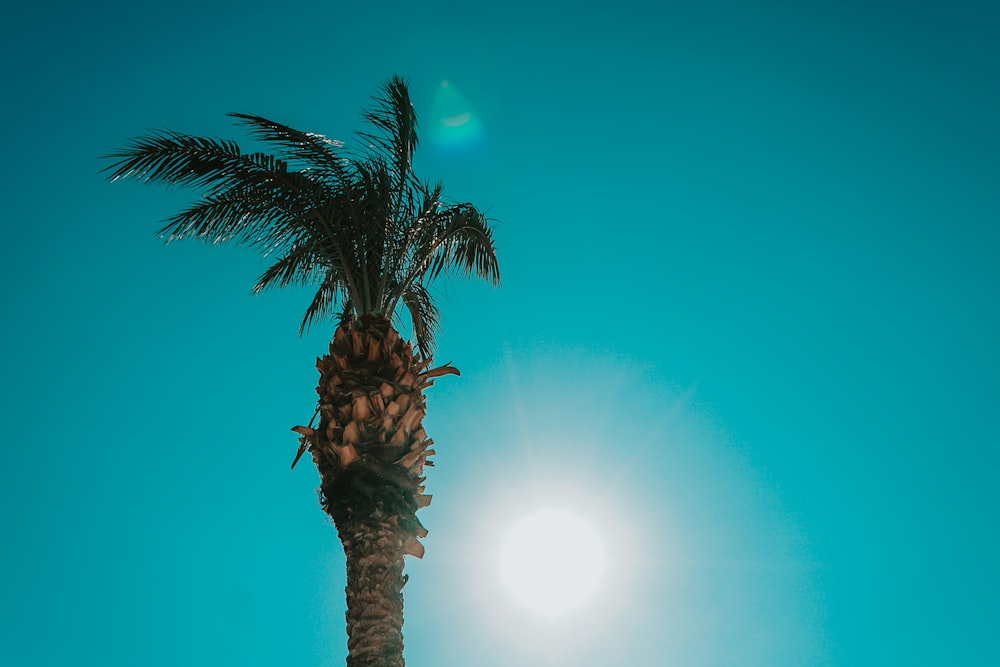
x=453 y=124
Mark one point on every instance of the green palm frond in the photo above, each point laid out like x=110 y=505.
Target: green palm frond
x=315 y=150
x=329 y=292
x=304 y=264
x=456 y=238
x=465 y=244
x=393 y=117
x=346 y=313
x=180 y=159
x=424 y=316
x=235 y=182
x=357 y=224
x=247 y=215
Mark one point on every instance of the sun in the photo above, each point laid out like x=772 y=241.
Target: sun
x=552 y=561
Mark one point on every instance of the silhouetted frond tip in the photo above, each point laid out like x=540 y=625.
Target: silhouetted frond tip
x=314 y=150
x=424 y=315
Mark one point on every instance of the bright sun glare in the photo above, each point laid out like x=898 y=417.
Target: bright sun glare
x=552 y=561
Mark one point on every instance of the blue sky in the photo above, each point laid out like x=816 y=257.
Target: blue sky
x=748 y=327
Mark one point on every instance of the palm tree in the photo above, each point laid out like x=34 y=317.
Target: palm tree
x=360 y=227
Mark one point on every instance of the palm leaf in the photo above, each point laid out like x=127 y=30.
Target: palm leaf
x=322 y=303
x=424 y=317
x=180 y=159
x=395 y=122
x=357 y=224
x=457 y=238
x=247 y=215
x=302 y=265
x=315 y=150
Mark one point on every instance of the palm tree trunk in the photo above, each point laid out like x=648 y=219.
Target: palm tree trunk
x=370 y=450
x=373 y=545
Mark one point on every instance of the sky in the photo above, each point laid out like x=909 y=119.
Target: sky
x=747 y=331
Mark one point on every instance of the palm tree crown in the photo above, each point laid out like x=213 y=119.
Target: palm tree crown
x=356 y=222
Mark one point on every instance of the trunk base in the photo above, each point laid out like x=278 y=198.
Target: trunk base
x=373 y=545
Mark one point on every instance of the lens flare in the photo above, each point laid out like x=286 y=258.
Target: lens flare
x=453 y=124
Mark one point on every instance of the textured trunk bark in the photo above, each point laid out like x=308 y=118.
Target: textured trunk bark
x=373 y=544
x=371 y=449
